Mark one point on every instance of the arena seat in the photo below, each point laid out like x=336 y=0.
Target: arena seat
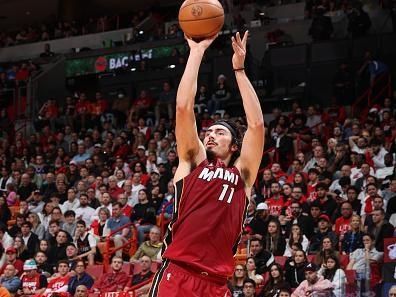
x=281 y=260
x=95 y=271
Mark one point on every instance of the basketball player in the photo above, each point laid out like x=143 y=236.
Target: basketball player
x=212 y=182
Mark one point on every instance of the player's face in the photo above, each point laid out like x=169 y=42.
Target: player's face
x=218 y=140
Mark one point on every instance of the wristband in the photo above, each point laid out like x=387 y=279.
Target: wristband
x=239 y=69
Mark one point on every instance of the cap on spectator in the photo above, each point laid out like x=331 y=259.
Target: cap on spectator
x=141 y=147
x=262 y=206
x=29 y=265
x=98 y=145
x=11 y=250
x=36 y=192
x=155 y=171
x=221 y=76
x=375 y=108
x=310 y=267
x=324 y=217
x=72 y=162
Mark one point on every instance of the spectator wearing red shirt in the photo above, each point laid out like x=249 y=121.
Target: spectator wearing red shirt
x=82 y=111
x=114 y=190
x=121 y=148
x=343 y=223
x=275 y=202
x=11 y=258
x=140 y=106
x=114 y=281
x=126 y=209
x=313 y=178
x=278 y=173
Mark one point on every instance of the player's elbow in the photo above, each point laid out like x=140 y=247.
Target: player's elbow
x=183 y=108
x=257 y=124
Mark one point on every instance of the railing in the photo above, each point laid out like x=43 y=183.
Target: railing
x=109 y=250
x=162 y=219
x=368 y=95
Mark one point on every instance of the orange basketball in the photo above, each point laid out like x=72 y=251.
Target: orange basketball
x=201 y=18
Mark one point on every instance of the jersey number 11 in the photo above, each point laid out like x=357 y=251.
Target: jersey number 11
x=225 y=191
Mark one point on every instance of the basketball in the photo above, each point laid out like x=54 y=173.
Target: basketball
x=200 y=19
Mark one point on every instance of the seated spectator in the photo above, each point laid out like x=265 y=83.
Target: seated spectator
x=166 y=101
x=249 y=288
x=42 y=265
x=251 y=271
x=259 y=224
x=22 y=252
x=37 y=227
x=142 y=276
x=30 y=239
x=11 y=259
x=363 y=261
x=84 y=211
x=220 y=96
x=380 y=228
x=313 y=284
x=57 y=252
x=353 y=239
x=324 y=231
x=85 y=243
x=151 y=247
x=294 y=269
x=235 y=284
x=80 y=278
x=262 y=258
x=10 y=280
x=296 y=236
x=143 y=214
x=327 y=249
x=81 y=291
x=333 y=272
x=47 y=51
x=114 y=281
x=115 y=222
x=59 y=283
x=70 y=222
x=71 y=255
x=274 y=240
x=32 y=282
x=275 y=283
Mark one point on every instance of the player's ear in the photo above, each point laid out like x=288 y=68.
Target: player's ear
x=234 y=147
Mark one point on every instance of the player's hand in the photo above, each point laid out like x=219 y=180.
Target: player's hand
x=200 y=45
x=239 y=47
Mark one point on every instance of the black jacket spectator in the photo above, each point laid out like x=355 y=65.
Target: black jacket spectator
x=358 y=22
x=321 y=27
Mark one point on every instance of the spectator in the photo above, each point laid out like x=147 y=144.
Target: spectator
x=151 y=247
x=327 y=249
x=333 y=272
x=114 y=281
x=84 y=211
x=324 y=231
x=85 y=243
x=142 y=276
x=166 y=100
x=294 y=269
x=321 y=27
x=249 y=288
x=296 y=236
x=32 y=282
x=313 y=284
x=144 y=214
x=275 y=283
x=358 y=21
x=70 y=222
x=259 y=224
x=80 y=279
x=59 y=283
x=42 y=264
x=11 y=259
x=353 y=239
x=57 y=252
x=81 y=291
x=251 y=271
x=380 y=228
x=237 y=280
x=221 y=95
x=363 y=261
x=262 y=258
x=274 y=240
x=117 y=221
x=9 y=280
x=30 y=239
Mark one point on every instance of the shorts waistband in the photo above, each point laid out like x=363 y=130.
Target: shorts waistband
x=205 y=275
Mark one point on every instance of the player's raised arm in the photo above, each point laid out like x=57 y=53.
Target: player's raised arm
x=189 y=147
x=253 y=141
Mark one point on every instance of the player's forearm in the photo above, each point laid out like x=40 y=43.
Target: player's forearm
x=251 y=103
x=188 y=84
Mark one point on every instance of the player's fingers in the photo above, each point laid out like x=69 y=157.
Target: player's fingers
x=245 y=37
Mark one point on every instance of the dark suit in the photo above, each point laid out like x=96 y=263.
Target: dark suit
x=385 y=231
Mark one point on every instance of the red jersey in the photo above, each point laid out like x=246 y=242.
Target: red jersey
x=275 y=206
x=58 y=282
x=342 y=226
x=209 y=209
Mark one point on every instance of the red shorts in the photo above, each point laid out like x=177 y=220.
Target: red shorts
x=173 y=280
